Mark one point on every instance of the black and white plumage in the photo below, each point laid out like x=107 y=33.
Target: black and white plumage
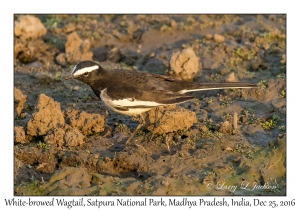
x=133 y=92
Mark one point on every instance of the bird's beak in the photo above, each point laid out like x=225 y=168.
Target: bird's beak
x=70 y=77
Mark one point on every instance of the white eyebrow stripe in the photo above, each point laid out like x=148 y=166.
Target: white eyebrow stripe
x=84 y=70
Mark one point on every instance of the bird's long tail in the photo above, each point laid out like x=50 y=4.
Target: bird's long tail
x=215 y=86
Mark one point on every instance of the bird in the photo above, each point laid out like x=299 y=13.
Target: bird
x=132 y=92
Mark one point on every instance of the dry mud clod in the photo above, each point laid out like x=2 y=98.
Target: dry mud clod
x=48 y=115
x=169 y=119
x=19 y=101
x=87 y=123
x=184 y=65
x=29 y=27
x=76 y=50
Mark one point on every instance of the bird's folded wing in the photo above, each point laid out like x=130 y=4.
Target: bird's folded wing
x=130 y=96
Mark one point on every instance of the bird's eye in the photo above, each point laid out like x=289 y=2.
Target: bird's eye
x=86 y=74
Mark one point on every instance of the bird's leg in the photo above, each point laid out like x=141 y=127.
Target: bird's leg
x=155 y=123
x=141 y=123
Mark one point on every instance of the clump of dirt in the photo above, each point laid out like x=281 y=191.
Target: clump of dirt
x=169 y=119
x=76 y=50
x=28 y=45
x=19 y=135
x=87 y=123
x=19 y=100
x=30 y=51
x=55 y=136
x=73 y=137
x=48 y=115
x=48 y=121
x=64 y=136
x=29 y=27
x=184 y=65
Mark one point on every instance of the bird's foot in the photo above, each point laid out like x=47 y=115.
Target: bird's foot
x=142 y=122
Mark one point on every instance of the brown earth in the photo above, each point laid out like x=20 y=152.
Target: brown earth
x=68 y=143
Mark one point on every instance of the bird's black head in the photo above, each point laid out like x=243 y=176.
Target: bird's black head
x=87 y=72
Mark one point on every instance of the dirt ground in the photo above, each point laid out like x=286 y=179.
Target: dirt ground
x=225 y=142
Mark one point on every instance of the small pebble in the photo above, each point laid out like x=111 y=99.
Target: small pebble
x=165 y=183
x=229 y=149
x=152 y=54
x=230 y=77
x=208 y=36
x=219 y=38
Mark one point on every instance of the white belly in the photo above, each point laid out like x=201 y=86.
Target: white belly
x=126 y=104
